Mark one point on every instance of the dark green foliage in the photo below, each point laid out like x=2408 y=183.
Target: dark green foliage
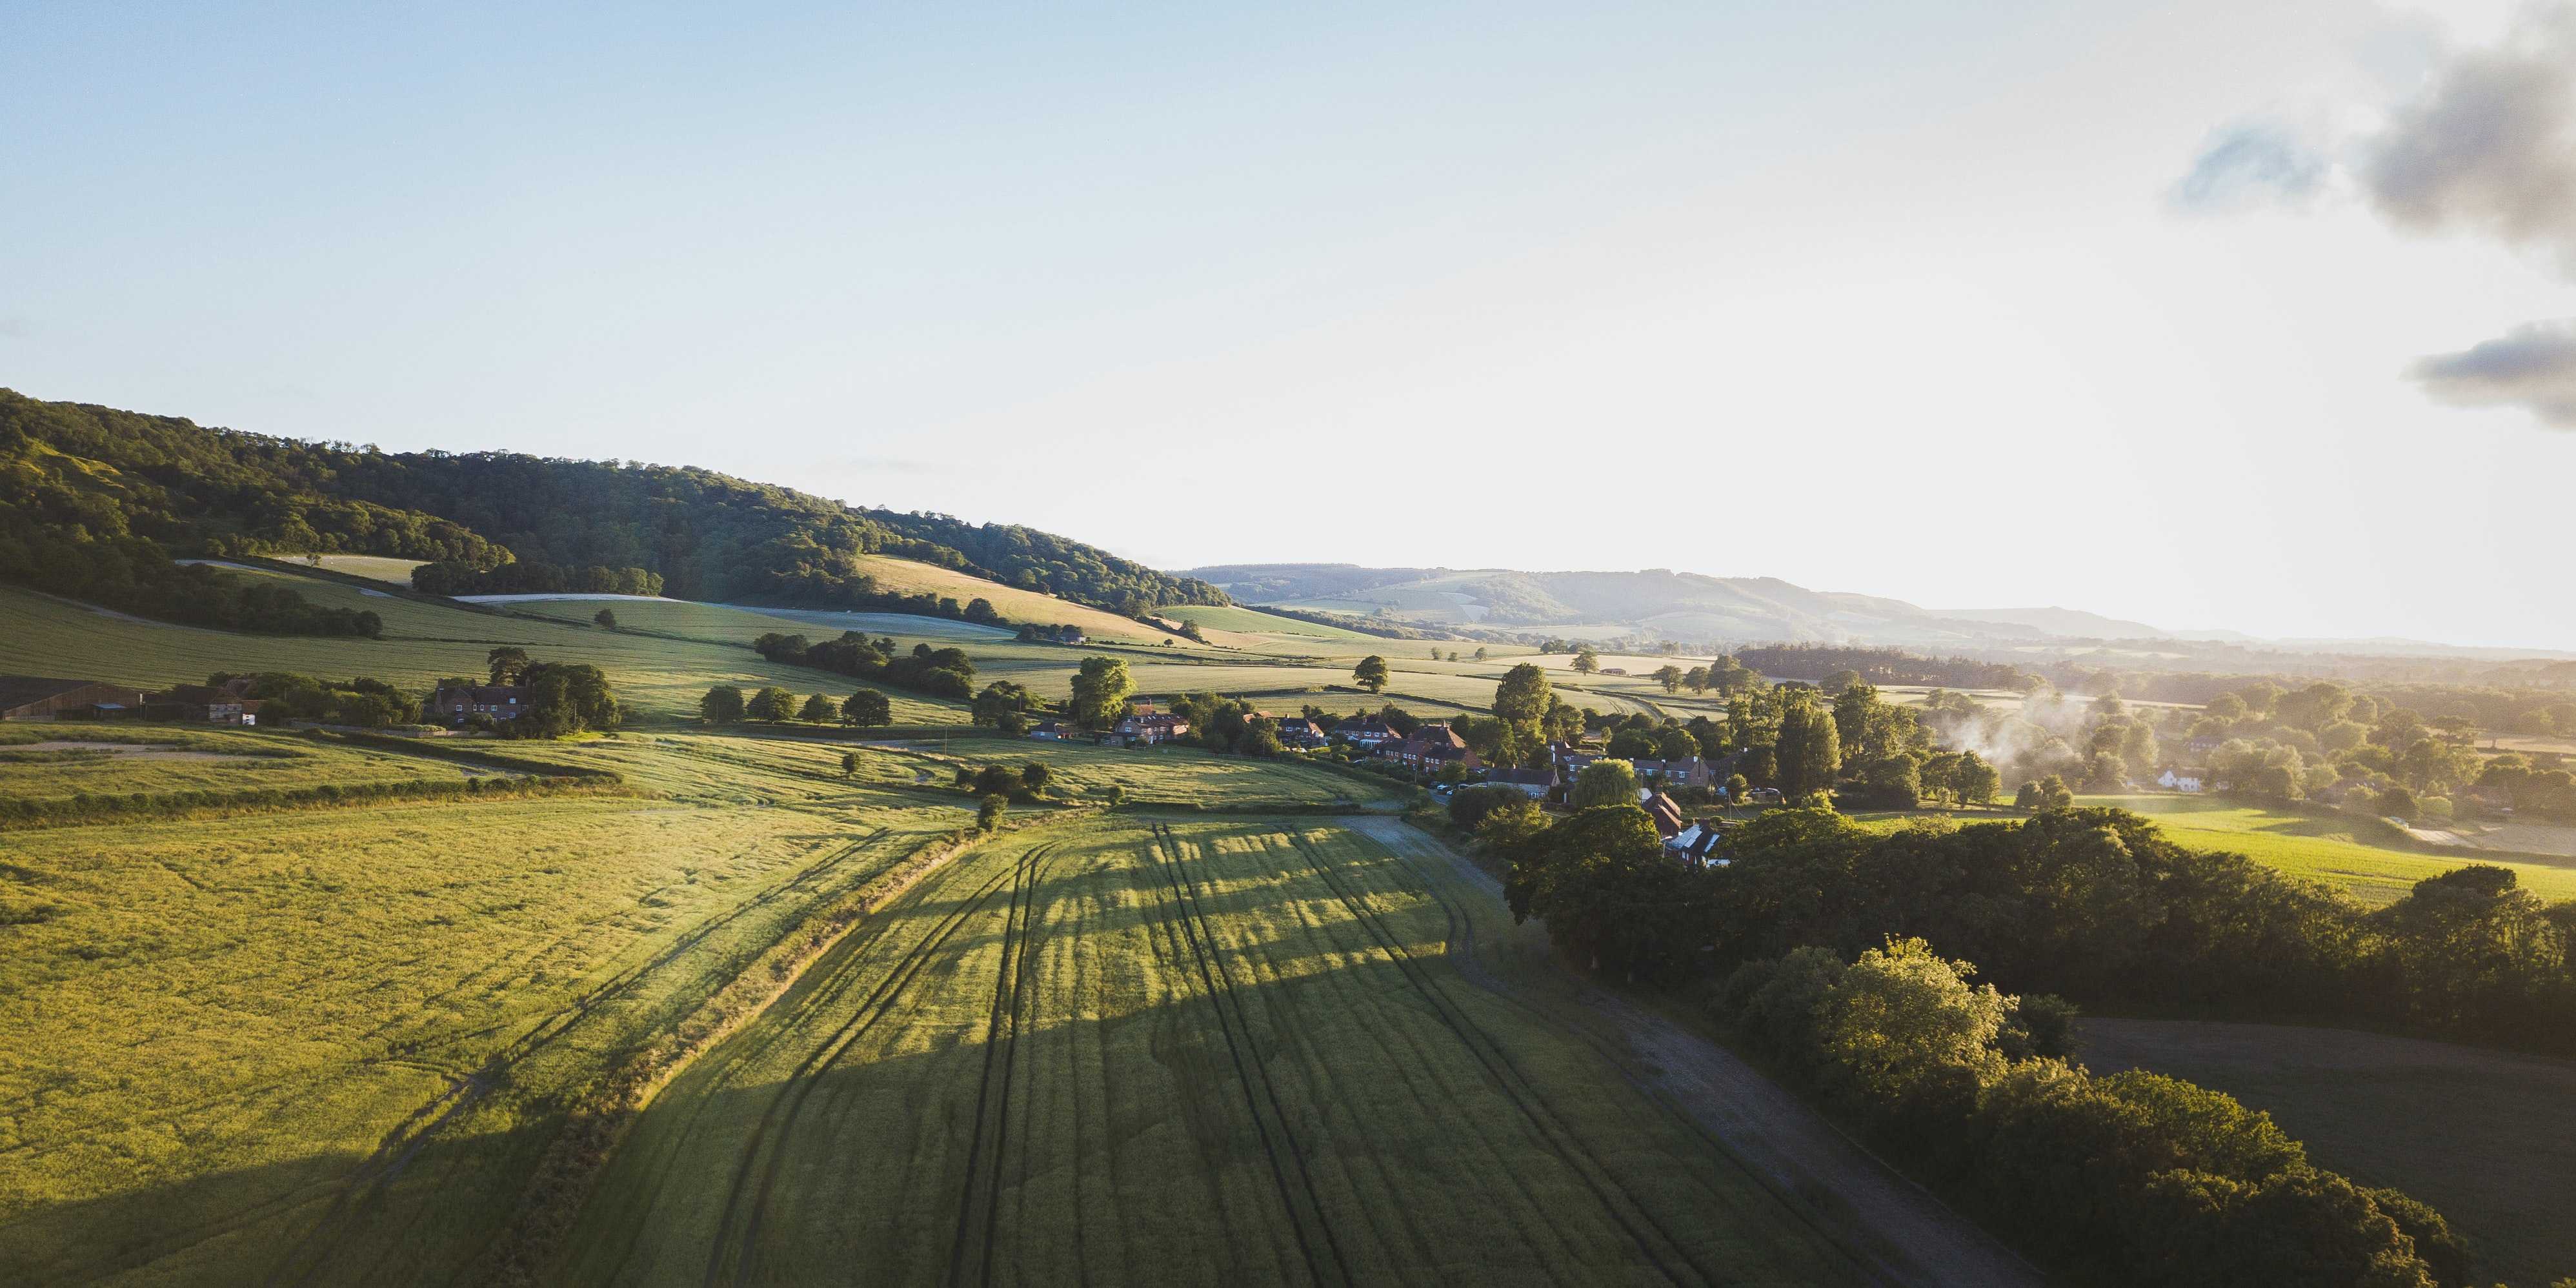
x=819 y=710
x=2132 y=1179
x=209 y=491
x=772 y=704
x=1005 y=706
x=722 y=705
x=1612 y=899
x=989 y=814
x=1816 y=662
x=1035 y=776
x=939 y=672
x=868 y=709
x=456 y=577
x=564 y=697
x=1468 y=806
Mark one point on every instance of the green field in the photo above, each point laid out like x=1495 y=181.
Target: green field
x=2483 y=1136
x=658 y=679
x=1184 y=1053
x=376 y=567
x=2357 y=855
x=114 y=761
x=335 y=1043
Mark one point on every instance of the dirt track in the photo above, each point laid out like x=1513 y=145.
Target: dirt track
x=1882 y=1218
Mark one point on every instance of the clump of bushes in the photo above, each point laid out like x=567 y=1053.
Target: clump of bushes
x=2133 y=1178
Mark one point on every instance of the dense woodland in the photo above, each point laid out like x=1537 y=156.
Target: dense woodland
x=107 y=493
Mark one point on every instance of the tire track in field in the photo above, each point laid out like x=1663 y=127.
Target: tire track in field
x=1002 y=1042
x=1219 y=983
x=789 y=1101
x=404 y=1143
x=1562 y=1140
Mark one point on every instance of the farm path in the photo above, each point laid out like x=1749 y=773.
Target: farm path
x=1909 y=1236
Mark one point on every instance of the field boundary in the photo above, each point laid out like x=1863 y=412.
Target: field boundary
x=562 y=1181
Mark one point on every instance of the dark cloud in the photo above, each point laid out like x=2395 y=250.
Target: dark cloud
x=2490 y=145
x=2250 y=164
x=2532 y=367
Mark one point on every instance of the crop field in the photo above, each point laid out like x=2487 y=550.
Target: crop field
x=1189 y=1052
x=1083 y=771
x=334 y=1044
x=657 y=679
x=2484 y=1136
x=375 y=567
x=72 y=759
x=2357 y=855
x=909 y=577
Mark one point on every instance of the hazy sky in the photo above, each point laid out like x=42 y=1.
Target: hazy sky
x=2205 y=313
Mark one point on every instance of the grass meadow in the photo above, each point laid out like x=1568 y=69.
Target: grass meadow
x=334 y=1044
x=658 y=679
x=2483 y=1136
x=72 y=759
x=1182 y=1052
x=2363 y=857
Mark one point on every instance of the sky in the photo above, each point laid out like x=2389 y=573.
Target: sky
x=2207 y=313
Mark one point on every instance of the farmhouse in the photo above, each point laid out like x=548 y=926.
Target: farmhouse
x=2180 y=780
x=30 y=697
x=453 y=703
x=1696 y=844
x=228 y=703
x=1145 y=727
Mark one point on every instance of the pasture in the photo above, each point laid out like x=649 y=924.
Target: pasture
x=2360 y=856
x=72 y=759
x=335 y=1043
x=2483 y=1136
x=1181 y=1052
x=658 y=679
x=905 y=576
x=374 y=567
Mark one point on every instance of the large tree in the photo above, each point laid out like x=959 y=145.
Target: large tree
x=1521 y=702
x=1810 y=749
x=771 y=704
x=819 y=709
x=1370 y=674
x=1587 y=661
x=1100 y=691
x=508 y=663
x=868 y=709
x=721 y=705
x=1604 y=782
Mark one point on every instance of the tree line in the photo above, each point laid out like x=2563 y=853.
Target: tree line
x=939 y=672
x=456 y=577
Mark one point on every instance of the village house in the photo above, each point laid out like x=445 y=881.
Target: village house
x=1297 y=733
x=1666 y=814
x=1432 y=747
x=1533 y=783
x=1685 y=771
x=31 y=697
x=1367 y=731
x=1051 y=731
x=1144 y=726
x=2180 y=780
x=454 y=704
x=1697 y=844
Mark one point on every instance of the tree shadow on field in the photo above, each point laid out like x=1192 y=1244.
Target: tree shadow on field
x=294 y=1221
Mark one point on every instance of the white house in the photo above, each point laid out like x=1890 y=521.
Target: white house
x=2179 y=780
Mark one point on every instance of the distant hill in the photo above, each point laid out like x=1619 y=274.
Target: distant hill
x=80 y=471
x=2070 y=623
x=1653 y=602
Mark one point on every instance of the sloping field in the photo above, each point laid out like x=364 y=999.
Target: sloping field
x=2338 y=851
x=377 y=567
x=1184 y=1053
x=1167 y=774
x=908 y=577
x=656 y=678
x=2483 y=1136
x=332 y=1045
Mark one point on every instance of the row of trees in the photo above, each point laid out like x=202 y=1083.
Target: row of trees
x=2134 y=1178
x=939 y=672
x=726 y=704
x=458 y=577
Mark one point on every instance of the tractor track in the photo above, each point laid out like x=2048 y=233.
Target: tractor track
x=1219 y=983
x=789 y=1102
x=1889 y=1228
x=1561 y=1139
x=386 y=1164
x=1002 y=1040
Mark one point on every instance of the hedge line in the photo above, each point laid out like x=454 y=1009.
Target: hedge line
x=85 y=808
